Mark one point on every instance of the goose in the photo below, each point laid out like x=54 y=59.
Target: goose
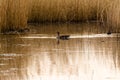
x=62 y=37
x=109 y=33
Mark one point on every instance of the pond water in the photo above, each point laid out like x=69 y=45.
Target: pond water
x=89 y=54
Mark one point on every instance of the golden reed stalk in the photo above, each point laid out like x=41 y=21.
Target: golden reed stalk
x=15 y=14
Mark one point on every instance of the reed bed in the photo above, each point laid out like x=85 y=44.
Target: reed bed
x=113 y=15
x=16 y=14
x=13 y=14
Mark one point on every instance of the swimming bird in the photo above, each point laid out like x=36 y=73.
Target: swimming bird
x=62 y=37
x=109 y=33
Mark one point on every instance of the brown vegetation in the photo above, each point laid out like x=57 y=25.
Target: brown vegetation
x=16 y=14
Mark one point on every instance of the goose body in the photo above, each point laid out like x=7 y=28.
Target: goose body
x=62 y=37
x=109 y=33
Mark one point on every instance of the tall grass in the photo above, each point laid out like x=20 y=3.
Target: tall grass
x=113 y=15
x=13 y=14
x=16 y=14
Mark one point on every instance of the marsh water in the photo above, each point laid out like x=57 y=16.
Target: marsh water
x=89 y=54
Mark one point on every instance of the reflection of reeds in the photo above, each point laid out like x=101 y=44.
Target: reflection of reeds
x=16 y=14
x=37 y=59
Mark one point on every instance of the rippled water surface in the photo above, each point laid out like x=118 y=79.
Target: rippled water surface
x=89 y=54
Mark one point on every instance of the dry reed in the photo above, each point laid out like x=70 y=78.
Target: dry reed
x=16 y=14
x=13 y=14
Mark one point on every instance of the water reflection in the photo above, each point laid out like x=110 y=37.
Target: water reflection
x=88 y=55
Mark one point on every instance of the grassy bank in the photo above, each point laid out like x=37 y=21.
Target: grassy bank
x=16 y=14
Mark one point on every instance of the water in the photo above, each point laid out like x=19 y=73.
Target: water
x=89 y=54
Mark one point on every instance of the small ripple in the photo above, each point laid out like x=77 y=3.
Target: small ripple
x=23 y=44
x=41 y=36
x=10 y=54
x=4 y=71
x=2 y=64
x=38 y=37
x=6 y=58
x=94 y=36
x=57 y=49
